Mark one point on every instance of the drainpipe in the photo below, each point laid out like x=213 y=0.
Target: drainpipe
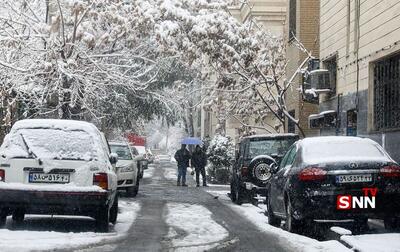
x=338 y=115
x=357 y=20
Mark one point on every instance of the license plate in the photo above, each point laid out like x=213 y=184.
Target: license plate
x=48 y=177
x=353 y=178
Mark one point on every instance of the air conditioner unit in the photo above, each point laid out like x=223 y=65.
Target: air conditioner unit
x=319 y=79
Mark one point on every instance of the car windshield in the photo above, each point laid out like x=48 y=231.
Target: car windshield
x=277 y=147
x=122 y=151
x=49 y=143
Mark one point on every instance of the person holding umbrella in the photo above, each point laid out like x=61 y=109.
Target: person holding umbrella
x=199 y=161
x=182 y=157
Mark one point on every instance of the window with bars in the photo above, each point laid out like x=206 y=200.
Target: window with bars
x=292 y=19
x=387 y=93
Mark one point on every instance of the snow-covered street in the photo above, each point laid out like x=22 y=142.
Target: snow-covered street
x=164 y=217
x=49 y=233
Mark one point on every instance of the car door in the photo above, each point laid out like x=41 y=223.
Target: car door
x=280 y=179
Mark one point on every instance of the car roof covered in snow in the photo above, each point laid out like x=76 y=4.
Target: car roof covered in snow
x=56 y=124
x=327 y=149
x=119 y=143
x=271 y=136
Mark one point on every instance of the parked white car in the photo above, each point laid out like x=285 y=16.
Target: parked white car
x=127 y=168
x=60 y=167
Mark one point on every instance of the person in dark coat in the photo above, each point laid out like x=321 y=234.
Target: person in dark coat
x=182 y=157
x=199 y=161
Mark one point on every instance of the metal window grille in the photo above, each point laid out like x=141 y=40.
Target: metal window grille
x=387 y=93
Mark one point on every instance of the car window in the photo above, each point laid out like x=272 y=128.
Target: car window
x=291 y=156
x=275 y=147
x=122 y=151
x=286 y=159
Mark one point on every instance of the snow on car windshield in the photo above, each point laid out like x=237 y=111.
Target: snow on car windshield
x=122 y=151
x=47 y=143
x=269 y=147
x=330 y=150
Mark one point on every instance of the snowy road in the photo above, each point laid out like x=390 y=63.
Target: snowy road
x=164 y=217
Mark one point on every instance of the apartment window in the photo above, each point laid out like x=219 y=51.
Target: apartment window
x=292 y=19
x=331 y=66
x=387 y=93
x=291 y=125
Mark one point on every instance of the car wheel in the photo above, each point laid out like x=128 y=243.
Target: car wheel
x=3 y=218
x=292 y=225
x=103 y=219
x=114 y=211
x=233 y=191
x=272 y=219
x=391 y=223
x=361 y=225
x=18 y=216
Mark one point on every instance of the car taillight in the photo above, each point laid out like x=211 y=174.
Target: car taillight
x=101 y=180
x=312 y=174
x=2 y=175
x=244 y=171
x=390 y=171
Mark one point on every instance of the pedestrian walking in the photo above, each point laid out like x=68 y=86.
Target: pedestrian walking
x=182 y=157
x=199 y=161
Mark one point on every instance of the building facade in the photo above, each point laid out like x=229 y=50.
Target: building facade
x=303 y=24
x=360 y=52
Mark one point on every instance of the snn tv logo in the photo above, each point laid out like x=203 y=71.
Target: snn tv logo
x=347 y=202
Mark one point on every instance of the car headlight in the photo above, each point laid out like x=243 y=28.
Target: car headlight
x=125 y=169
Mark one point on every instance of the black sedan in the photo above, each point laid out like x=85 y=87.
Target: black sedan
x=334 y=178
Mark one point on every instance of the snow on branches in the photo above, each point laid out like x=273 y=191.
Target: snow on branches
x=247 y=62
x=71 y=58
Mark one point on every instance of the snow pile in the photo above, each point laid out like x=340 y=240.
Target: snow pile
x=374 y=242
x=51 y=240
x=149 y=173
x=341 y=231
x=192 y=228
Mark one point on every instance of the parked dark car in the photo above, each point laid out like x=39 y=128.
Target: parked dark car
x=315 y=175
x=255 y=157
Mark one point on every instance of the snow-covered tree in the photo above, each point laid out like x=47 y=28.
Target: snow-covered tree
x=248 y=63
x=78 y=59
x=221 y=154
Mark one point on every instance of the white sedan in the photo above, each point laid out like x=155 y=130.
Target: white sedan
x=57 y=167
x=127 y=170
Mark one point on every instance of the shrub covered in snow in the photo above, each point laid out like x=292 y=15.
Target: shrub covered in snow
x=221 y=154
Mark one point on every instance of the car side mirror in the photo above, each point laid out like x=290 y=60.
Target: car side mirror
x=113 y=158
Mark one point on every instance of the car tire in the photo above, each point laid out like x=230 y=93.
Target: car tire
x=18 y=216
x=233 y=191
x=292 y=225
x=103 y=219
x=114 y=211
x=3 y=218
x=361 y=225
x=239 y=193
x=272 y=219
x=391 y=223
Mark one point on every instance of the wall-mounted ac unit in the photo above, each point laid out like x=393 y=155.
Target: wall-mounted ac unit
x=319 y=79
